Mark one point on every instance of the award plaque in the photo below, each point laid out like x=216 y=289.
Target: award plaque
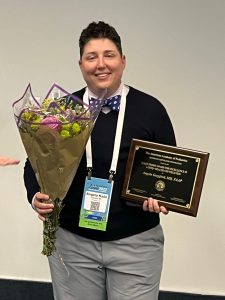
x=174 y=176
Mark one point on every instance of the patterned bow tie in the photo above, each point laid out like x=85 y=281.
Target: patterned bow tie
x=113 y=102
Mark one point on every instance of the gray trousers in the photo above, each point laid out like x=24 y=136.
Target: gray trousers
x=125 y=269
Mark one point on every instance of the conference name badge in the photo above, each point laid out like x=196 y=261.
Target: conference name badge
x=95 y=203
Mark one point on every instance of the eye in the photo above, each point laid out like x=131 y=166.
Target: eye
x=109 y=54
x=92 y=57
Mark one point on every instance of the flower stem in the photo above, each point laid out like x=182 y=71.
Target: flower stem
x=51 y=225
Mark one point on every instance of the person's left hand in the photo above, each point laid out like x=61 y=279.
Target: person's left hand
x=152 y=205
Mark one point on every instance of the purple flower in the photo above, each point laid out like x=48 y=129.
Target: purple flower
x=52 y=122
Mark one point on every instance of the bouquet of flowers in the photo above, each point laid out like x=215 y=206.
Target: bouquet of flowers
x=54 y=134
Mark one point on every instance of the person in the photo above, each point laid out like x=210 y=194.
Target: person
x=7 y=161
x=123 y=261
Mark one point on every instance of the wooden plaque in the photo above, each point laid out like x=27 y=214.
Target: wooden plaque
x=172 y=175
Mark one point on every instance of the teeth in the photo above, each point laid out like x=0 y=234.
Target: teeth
x=102 y=75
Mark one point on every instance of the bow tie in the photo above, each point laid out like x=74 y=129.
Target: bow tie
x=113 y=102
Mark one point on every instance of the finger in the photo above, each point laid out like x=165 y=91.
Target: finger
x=42 y=201
x=155 y=206
x=41 y=217
x=164 y=210
x=41 y=207
x=44 y=211
x=11 y=162
x=41 y=196
x=148 y=205
x=38 y=204
x=145 y=205
x=4 y=161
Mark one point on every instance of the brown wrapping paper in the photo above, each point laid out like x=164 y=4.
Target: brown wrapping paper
x=55 y=159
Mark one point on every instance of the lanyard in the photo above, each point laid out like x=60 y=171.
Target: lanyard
x=117 y=140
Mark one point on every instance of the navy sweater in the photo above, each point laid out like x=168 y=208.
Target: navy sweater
x=145 y=119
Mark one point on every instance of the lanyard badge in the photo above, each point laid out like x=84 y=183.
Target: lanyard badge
x=95 y=203
x=97 y=191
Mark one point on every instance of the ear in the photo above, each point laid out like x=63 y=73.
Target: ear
x=80 y=64
x=124 y=60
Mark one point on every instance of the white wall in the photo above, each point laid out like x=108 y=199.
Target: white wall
x=176 y=51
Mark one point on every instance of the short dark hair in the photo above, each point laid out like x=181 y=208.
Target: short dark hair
x=97 y=31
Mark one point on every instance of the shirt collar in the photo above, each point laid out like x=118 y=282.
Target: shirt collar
x=117 y=92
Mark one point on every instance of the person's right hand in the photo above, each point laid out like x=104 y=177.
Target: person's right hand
x=7 y=161
x=42 y=205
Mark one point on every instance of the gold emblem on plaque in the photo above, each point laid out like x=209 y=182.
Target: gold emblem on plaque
x=160 y=185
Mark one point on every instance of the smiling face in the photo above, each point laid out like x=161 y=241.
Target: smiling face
x=102 y=66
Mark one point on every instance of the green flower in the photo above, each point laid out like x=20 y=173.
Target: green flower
x=38 y=121
x=76 y=128
x=66 y=127
x=46 y=103
x=65 y=133
x=26 y=116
